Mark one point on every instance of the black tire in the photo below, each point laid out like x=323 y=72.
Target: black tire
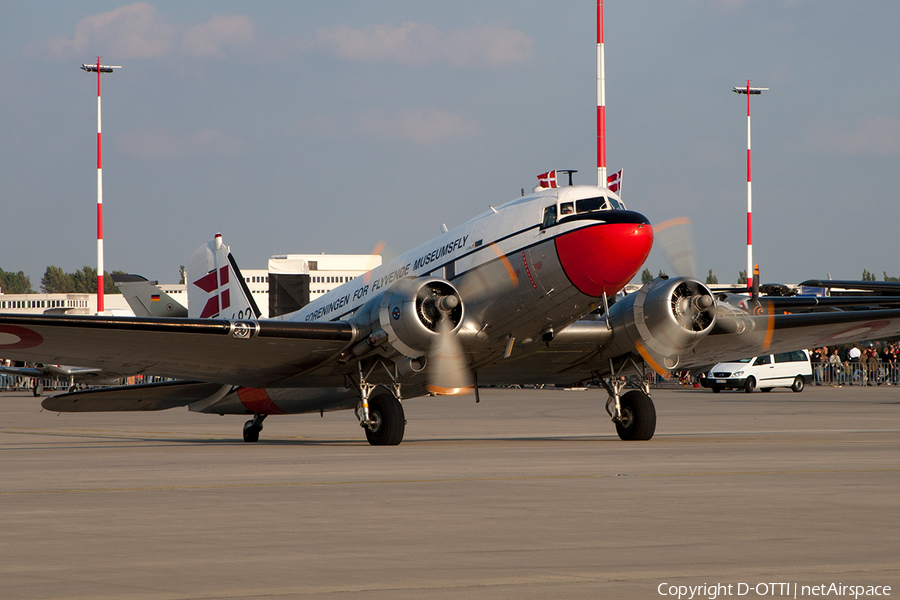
x=716 y=389
x=798 y=384
x=387 y=412
x=251 y=432
x=765 y=389
x=638 y=417
x=749 y=384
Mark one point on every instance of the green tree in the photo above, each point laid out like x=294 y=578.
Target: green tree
x=55 y=281
x=866 y=276
x=742 y=277
x=85 y=280
x=182 y=274
x=711 y=278
x=662 y=274
x=889 y=278
x=646 y=276
x=15 y=283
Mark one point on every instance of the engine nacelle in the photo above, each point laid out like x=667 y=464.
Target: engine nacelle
x=407 y=316
x=666 y=317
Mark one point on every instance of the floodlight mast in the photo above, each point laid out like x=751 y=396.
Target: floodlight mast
x=750 y=91
x=98 y=69
x=601 y=101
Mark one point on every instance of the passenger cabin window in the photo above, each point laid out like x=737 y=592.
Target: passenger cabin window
x=549 y=217
x=566 y=208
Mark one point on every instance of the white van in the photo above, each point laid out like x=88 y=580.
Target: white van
x=787 y=369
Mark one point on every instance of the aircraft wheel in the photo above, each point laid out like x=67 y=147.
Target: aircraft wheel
x=638 y=416
x=749 y=385
x=798 y=385
x=390 y=422
x=251 y=431
x=38 y=388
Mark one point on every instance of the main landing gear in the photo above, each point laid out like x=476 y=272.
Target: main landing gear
x=379 y=411
x=632 y=412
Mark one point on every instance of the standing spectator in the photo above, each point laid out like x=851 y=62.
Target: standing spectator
x=837 y=368
x=853 y=361
x=816 y=357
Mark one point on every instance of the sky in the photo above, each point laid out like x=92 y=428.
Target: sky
x=307 y=127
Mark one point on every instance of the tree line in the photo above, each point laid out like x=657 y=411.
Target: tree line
x=57 y=281
x=647 y=276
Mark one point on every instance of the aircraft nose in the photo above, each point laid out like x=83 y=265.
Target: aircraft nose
x=605 y=256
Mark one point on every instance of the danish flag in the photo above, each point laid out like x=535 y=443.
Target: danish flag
x=209 y=283
x=547 y=180
x=614 y=181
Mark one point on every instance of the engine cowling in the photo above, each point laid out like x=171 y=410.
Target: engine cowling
x=666 y=317
x=407 y=314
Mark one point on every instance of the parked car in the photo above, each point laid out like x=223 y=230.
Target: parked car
x=786 y=369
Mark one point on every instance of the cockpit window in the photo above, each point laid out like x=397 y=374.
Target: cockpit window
x=591 y=204
x=616 y=204
x=566 y=208
x=549 y=217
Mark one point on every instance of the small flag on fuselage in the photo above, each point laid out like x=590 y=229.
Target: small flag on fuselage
x=547 y=180
x=614 y=182
x=154 y=298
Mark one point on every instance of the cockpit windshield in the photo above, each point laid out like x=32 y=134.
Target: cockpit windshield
x=599 y=203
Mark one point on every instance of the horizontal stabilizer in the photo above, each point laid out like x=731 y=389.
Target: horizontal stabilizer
x=151 y=396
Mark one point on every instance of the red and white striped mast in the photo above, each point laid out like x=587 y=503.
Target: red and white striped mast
x=98 y=69
x=750 y=92
x=601 y=101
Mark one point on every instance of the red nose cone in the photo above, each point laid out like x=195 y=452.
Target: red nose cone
x=604 y=257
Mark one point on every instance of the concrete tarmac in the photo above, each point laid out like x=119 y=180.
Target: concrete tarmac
x=529 y=494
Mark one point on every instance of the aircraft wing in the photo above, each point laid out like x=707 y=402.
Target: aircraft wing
x=22 y=371
x=585 y=349
x=794 y=332
x=250 y=353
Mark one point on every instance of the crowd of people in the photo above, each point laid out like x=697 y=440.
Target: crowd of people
x=871 y=363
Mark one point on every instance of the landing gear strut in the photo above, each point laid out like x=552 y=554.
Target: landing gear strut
x=632 y=412
x=380 y=412
x=253 y=427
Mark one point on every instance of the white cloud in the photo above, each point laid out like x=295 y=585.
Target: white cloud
x=877 y=135
x=137 y=31
x=419 y=43
x=163 y=144
x=133 y=31
x=220 y=32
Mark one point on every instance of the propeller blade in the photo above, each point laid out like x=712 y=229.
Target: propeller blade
x=448 y=371
x=675 y=239
x=493 y=279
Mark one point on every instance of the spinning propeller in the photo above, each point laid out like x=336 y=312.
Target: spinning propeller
x=676 y=240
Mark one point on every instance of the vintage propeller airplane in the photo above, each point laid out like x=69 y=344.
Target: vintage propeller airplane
x=519 y=294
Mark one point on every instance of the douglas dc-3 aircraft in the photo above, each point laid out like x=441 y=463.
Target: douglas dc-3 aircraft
x=511 y=296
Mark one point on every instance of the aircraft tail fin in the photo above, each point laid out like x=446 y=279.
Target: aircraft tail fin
x=146 y=299
x=216 y=288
